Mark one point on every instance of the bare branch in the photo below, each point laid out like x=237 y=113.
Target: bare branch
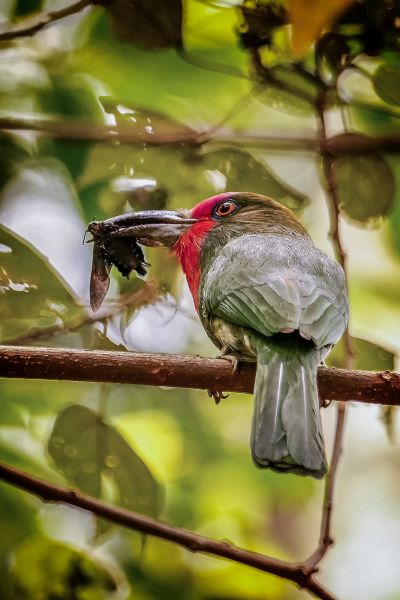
x=30 y=27
x=325 y=539
x=49 y=492
x=92 y=132
x=182 y=371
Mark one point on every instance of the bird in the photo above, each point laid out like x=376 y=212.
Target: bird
x=263 y=292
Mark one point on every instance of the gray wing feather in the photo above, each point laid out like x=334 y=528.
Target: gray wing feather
x=270 y=283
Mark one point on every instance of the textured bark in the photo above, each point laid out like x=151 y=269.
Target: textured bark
x=183 y=371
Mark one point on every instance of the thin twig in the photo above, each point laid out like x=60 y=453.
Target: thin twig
x=20 y=362
x=49 y=492
x=145 y=295
x=325 y=539
x=33 y=26
x=92 y=132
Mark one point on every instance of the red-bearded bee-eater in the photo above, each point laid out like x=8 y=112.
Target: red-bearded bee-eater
x=263 y=291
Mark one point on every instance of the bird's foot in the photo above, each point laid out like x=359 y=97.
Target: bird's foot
x=217 y=396
x=231 y=357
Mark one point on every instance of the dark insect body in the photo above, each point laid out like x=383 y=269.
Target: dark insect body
x=122 y=252
x=126 y=255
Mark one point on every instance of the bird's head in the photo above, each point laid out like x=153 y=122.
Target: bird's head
x=232 y=212
x=208 y=226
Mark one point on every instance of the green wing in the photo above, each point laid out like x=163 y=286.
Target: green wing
x=272 y=283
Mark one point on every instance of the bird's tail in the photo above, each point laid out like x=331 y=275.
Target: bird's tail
x=286 y=430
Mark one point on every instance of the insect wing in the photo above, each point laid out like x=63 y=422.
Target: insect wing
x=126 y=255
x=100 y=276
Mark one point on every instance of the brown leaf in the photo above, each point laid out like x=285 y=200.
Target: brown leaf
x=310 y=17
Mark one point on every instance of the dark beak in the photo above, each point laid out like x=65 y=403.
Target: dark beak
x=150 y=227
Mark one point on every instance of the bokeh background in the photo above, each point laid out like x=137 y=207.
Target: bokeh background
x=172 y=453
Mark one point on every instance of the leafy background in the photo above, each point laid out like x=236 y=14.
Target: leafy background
x=172 y=453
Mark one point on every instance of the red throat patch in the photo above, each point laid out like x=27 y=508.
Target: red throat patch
x=188 y=249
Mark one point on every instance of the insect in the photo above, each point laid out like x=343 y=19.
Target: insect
x=122 y=252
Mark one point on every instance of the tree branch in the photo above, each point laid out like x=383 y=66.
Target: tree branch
x=92 y=132
x=182 y=371
x=49 y=492
x=32 y=26
x=325 y=538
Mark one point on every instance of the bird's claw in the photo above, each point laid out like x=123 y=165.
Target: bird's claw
x=231 y=357
x=217 y=396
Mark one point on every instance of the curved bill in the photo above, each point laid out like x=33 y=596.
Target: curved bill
x=149 y=227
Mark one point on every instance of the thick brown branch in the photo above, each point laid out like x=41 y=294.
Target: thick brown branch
x=30 y=27
x=49 y=492
x=182 y=371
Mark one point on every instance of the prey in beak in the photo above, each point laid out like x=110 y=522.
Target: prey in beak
x=149 y=227
x=116 y=242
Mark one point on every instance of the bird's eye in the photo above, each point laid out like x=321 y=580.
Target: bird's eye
x=226 y=208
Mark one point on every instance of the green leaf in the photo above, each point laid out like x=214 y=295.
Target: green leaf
x=386 y=82
x=149 y=24
x=20 y=517
x=243 y=172
x=197 y=175
x=71 y=96
x=142 y=120
x=13 y=152
x=95 y=457
x=32 y=293
x=23 y=8
x=293 y=93
x=365 y=185
x=368 y=356
x=43 y=569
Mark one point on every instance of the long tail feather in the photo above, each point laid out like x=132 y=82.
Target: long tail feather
x=286 y=429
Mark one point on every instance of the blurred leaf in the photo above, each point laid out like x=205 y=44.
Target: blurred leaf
x=242 y=172
x=11 y=415
x=196 y=175
x=365 y=185
x=310 y=17
x=368 y=356
x=43 y=569
x=259 y=20
x=335 y=49
x=150 y=24
x=142 y=120
x=394 y=218
x=386 y=81
x=297 y=97
x=20 y=512
x=93 y=456
x=70 y=95
x=23 y=7
x=31 y=292
x=388 y=417
x=13 y=153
